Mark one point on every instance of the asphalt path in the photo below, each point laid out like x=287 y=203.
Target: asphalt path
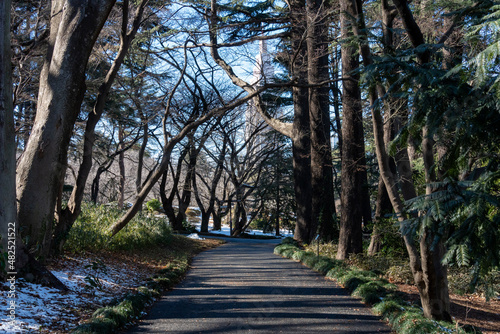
x=242 y=287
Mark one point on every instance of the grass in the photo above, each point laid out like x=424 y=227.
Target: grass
x=372 y=288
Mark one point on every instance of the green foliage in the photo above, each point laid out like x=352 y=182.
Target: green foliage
x=372 y=292
x=90 y=231
x=188 y=227
x=289 y=241
x=153 y=205
x=469 y=212
x=95 y=270
x=285 y=248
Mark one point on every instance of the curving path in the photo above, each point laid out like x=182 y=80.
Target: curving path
x=242 y=287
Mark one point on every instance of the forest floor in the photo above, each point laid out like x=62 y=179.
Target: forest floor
x=467 y=309
x=41 y=309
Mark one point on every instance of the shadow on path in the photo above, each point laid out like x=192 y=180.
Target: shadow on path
x=242 y=287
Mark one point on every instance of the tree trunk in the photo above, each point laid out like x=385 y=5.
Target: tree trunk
x=383 y=207
x=350 y=239
x=74 y=27
x=121 y=165
x=323 y=201
x=8 y=219
x=301 y=142
x=142 y=151
x=68 y=216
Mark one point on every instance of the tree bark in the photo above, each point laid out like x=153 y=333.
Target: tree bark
x=73 y=208
x=350 y=239
x=323 y=201
x=121 y=167
x=8 y=219
x=382 y=207
x=74 y=28
x=428 y=272
x=301 y=130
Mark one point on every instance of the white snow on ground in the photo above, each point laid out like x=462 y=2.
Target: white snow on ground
x=39 y=308
x=195 y=236
x=225 y=231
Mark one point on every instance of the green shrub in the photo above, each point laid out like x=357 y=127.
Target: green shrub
x=188 y=227
x=324 y=265
x=110 y=318
x=368 y=285
x=299 y=255
x=372 y=292
x=90 y=232
x=153 y=205
x=280 y=249
x=289 y=241
x=337 y=272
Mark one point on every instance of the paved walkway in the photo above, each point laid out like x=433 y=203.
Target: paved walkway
x=242 y=287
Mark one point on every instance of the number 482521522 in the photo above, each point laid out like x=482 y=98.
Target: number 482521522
x=11 y=248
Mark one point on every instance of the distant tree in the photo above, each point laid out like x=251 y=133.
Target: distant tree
x=209 y=174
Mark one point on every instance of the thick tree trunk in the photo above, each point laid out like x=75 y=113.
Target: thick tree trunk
x=74 y=28
x=216 y=216
x=350 y=239
x=301 y=142
x=323 y=202
x=8 y=219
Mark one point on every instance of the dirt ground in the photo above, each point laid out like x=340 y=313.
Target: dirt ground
x=468 y=310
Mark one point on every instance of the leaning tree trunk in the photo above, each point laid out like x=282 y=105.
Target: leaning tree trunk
x=352 y=183
x=428 y=272
x=68 y=216
x=74 y=27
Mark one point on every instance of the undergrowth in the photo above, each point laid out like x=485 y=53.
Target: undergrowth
x=90 y=232
x=363 y=278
